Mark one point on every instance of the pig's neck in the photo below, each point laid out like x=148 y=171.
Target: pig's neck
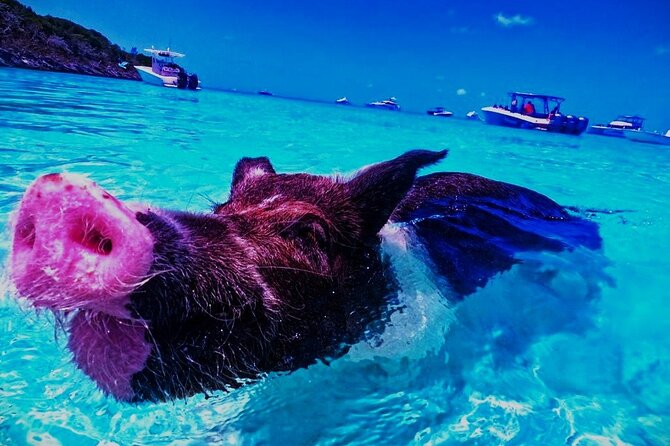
x=109 y=350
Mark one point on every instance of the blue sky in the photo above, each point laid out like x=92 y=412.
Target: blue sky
x=605 y=56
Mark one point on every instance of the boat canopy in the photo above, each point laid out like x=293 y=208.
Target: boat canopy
x=635 y=120
x=536 y=96
x=549 y=104
x=163 y=53
x=627 y=122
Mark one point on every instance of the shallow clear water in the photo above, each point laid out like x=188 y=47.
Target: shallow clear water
x=570 y=348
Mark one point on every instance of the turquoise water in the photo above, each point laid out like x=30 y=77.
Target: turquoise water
x=569 y=348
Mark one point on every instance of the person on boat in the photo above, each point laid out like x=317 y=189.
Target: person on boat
x=529 y=108
x=514 y=104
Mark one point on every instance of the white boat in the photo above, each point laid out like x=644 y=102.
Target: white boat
x=473 y=116
x=343 y=101
x=440 y=112
x=547 y=116
x=648 y=137
x=165 y=72
x=387 y=104
x=617 y=126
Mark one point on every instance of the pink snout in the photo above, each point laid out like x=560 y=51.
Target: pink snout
x=77 y=246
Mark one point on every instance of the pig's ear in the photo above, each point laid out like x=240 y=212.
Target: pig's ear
x=249 y=168
x=377 y=190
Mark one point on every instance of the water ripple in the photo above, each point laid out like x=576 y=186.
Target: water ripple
x=563 y=349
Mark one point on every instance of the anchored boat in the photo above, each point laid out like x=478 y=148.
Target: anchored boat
x=617 y=127
x=472 y=115
x=535 y=111
x=165 y=72
x=387 y=104
x=440 y=112
x=648 y=137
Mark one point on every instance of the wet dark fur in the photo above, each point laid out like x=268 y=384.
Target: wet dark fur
x=472 y=227
x=289 y=269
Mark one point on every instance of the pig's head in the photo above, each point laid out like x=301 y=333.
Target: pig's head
x=163 y=304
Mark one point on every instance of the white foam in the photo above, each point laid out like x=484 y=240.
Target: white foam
x=422 y=316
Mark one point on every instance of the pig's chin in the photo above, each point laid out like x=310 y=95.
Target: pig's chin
x=109 y=350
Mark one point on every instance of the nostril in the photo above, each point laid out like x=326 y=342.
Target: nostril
x=104 y=244
x=91 y=237
x=25 y=232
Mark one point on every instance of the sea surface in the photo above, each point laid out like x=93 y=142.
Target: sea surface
x=565 y=348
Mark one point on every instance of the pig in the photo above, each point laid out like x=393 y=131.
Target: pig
x=162 y=304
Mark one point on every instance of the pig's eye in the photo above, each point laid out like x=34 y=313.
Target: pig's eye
x=309 y=232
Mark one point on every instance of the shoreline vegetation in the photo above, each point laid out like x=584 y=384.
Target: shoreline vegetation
x=32 y=41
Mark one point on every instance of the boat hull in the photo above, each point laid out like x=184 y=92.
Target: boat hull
x=604 y=130
x=150 y=77
x=647 y=137
x=384 y=106
x=442 y=114
x=569 y=124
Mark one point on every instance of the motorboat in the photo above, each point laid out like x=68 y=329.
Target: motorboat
x=387 y=104
x=165 y=72
x=343 y=101
x=265 y=93
x=439 y=111
x=535 y=111
x=617 y=126
x=648 y=137
x=472 y=115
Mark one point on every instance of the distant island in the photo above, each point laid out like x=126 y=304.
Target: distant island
x=29 y=40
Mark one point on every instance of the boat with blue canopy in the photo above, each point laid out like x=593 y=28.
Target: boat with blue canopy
x=617 y=126
x=535 y=111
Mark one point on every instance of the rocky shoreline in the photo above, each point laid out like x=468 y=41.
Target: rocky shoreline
x=32 y=41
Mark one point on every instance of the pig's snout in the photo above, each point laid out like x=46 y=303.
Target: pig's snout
x=77 y=246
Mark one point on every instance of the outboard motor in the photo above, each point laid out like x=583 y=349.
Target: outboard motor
x=193 y=82
x=582 y=124
x=571 y=124
x=182 y=79
x=557 y=122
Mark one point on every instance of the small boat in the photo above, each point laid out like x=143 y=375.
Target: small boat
x=472 y=115
x=522 y=113
x=617 y=127
x=265 y=93
x=343 y=101
x=165 y=72
x=387 y=104
x=439 y=111
x=648 y=137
